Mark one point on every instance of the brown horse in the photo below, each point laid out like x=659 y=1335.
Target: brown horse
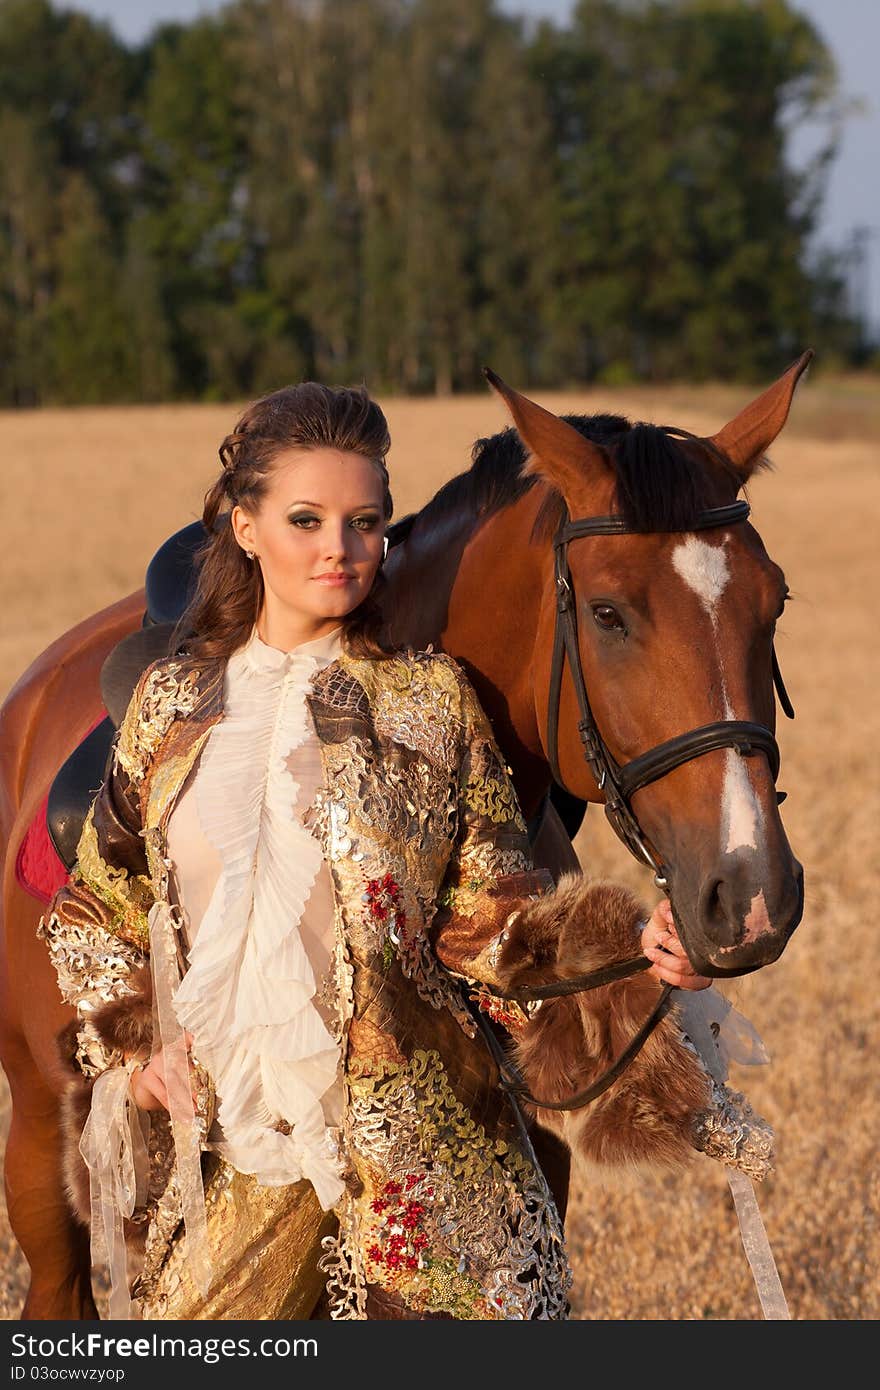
x=675 y=633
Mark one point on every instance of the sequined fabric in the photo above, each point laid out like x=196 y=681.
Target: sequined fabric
x=94 y=966
x=731 y=1132
x=428 y=1175
x=265 y=1245
x=416 y=819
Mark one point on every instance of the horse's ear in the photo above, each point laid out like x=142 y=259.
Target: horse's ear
x=746 y=438
x=559 y=454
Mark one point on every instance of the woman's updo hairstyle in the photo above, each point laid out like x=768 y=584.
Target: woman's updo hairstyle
x=229 y=587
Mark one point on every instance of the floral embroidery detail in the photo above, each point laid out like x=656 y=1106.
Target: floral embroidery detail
x=398 y=1253
x=483 y=861
x=342 y=1263
x=384 y=909
x=415 y=701
x=393 y=925
x=452 y=895
x=495 y=1245
x=731 y=1131
x=398 y=1240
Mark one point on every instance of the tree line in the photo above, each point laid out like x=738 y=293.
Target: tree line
x=398 y=191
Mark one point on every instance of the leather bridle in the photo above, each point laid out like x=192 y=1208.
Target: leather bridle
x=618 y=784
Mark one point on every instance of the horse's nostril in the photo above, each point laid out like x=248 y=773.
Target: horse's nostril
x=710 y=900
x=715 y=912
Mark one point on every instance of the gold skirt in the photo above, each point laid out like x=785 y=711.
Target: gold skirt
x=265 y=1245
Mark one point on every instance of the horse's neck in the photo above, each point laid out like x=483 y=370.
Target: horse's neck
x=420 y=573
x=476 y=592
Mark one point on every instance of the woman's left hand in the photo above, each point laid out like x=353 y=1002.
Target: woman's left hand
x=661 y=945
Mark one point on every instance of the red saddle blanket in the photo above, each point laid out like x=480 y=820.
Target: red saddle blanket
x=38 y=868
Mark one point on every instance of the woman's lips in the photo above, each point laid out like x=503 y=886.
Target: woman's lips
x=334 y=581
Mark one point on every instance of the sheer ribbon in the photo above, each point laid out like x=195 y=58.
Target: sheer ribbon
x=757 y=1247
x=721 y=1035
x=178 y=1079
x=114 y=1147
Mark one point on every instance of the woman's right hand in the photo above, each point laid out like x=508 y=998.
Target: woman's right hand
x=148 y=1086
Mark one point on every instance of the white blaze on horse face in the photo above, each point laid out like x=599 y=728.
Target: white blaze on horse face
x=705 y=570
x=740 y=812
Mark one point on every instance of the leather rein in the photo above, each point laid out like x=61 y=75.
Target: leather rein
x=618 y=784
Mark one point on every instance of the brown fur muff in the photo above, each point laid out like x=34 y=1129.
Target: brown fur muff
x=125 y=1025
x=648 y=1115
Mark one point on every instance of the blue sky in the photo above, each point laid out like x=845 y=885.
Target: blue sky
x=850 y=27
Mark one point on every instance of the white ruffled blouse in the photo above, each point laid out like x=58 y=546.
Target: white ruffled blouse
x=257 y=903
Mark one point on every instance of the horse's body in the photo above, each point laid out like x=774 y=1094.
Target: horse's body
x=474 y=575
x=40 y=725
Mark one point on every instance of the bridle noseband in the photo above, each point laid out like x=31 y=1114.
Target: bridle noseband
x=618 y=784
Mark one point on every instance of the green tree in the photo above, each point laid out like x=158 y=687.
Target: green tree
x=89 y=333
x=27 y=221
x=685 y=226
x=403 y=190
x=150 y=366
x=405 y=216
x=190 y=192
x=75 y=80
x=295 y=63
x=64 y=85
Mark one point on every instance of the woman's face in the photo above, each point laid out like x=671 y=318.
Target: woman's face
x=317 y=535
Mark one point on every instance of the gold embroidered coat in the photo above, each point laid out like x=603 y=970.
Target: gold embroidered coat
x=447 y=1212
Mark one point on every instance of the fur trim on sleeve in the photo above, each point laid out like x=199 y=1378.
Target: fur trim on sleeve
x=579 y=927
x=648 y=1116
x=125 y=1025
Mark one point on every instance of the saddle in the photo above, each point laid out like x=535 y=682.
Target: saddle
x=169 y=584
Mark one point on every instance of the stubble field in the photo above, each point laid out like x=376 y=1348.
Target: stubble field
x=91 y=493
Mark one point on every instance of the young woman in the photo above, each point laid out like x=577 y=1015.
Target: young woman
x=306 y=860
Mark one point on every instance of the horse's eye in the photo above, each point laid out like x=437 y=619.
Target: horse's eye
x=607 y=618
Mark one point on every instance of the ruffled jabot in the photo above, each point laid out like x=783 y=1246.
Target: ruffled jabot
x=248 y=996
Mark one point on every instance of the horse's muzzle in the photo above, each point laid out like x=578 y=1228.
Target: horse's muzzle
x=740 y=919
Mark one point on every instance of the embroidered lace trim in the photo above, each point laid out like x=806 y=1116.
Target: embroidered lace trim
x=495 y=1245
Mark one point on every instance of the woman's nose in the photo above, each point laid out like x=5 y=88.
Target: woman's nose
x=335 y=542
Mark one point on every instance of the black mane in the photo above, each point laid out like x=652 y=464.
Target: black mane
x=658 y=486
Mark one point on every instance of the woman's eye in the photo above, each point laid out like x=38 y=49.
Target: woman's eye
x=608 y=618
x=304 y=521
x=365 y=523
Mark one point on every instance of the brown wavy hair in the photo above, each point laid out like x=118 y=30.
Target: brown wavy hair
x=229 y=590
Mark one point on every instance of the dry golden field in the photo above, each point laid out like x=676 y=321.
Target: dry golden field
x=89 y=495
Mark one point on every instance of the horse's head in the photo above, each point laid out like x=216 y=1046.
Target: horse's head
x=675 y=625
